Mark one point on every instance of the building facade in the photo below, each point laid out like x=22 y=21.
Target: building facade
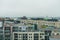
x=55 y=35
x=42 y=22
x=28 y=36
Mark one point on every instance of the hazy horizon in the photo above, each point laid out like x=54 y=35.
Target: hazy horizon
x=30 y=8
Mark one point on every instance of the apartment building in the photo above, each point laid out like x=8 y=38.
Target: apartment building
x=10 y=27
x=42 y=22
x=1 y=33
x=55 y=34
x=25 y=29
x=7 y=27
x=7 y=32
x=28 y=36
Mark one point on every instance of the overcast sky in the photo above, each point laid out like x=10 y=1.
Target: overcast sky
x=33 y=8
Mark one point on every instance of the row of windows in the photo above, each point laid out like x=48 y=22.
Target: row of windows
x=30 y=34
x=29 y=39
x=25 y=36
x=55 y=33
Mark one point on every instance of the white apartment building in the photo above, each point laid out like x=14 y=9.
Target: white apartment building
x=28 y=36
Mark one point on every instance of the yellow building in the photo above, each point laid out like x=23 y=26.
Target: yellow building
x=42 y=22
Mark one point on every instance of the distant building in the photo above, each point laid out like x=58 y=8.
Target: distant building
x=42 y=22
x=28 y=29
x=55 y=35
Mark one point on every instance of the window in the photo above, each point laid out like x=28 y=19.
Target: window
x=40 y=36
x=36 y=36
x=30 y=34
x=15 y=39
x=57 y=34
x=25 y=37
x=41 y=33
x=15 y=34
x=42 y=39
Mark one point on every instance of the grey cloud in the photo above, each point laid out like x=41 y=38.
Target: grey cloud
x=29 y=8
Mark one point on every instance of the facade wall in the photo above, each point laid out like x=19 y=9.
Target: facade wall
x=29 y=36
x=55 y=35
x=41 y=22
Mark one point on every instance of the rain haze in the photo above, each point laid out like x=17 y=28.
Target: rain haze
x=29 y=8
